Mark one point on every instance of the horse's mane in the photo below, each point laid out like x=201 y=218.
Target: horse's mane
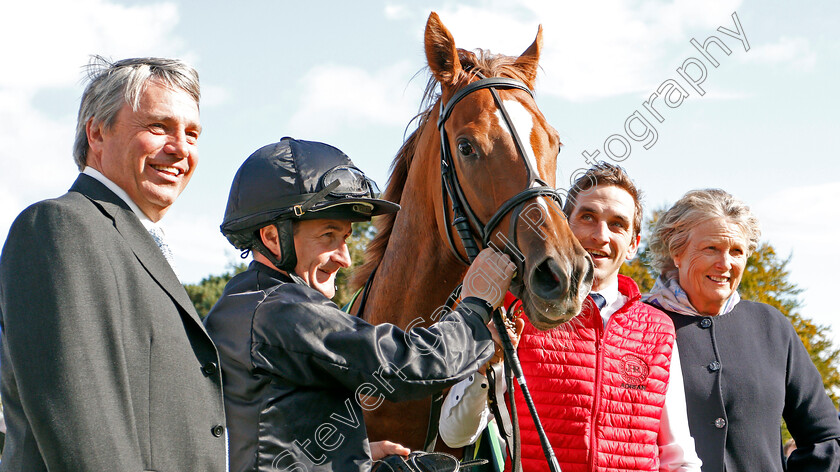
x=472 y=63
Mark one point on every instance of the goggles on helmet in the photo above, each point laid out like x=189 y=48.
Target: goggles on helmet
x=352 y=182
x=340 y=182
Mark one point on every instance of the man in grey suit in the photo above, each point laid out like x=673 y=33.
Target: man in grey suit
x=105 y=363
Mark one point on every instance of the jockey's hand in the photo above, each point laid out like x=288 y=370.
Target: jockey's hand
x=513 y=332
x=380 y=449
x=489 y=277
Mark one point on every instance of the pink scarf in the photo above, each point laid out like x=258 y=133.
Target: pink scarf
x=668 y=295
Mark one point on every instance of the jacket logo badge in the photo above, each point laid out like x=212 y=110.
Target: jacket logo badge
x=634 y=372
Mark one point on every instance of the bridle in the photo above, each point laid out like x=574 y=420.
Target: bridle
x=464 y=220
x=469 y=227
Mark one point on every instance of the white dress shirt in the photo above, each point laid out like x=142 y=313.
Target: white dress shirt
x=465 y=414
x=145 y=220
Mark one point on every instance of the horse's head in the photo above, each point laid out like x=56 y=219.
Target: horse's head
x=499 y=147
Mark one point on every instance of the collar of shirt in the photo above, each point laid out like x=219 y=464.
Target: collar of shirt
x=147 y=223
x=614 y=301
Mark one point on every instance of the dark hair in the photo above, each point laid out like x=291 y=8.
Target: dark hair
x=604 y=173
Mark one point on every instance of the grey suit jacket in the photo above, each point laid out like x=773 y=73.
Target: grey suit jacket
x=105 y=363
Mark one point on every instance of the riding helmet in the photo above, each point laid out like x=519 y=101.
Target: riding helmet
x=296 y=180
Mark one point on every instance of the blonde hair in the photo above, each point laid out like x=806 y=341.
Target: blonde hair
x=674 y=227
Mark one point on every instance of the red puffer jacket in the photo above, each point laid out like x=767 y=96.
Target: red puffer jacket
x=599 y=394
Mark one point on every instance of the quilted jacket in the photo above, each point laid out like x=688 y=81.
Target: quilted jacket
x=599 y=391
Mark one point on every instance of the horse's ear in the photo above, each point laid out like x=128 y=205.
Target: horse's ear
x=530 y=59
x=441 y=53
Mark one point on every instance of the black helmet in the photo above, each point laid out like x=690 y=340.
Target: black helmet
x=292 y=180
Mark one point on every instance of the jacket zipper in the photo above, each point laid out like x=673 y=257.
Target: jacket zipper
x=596 y=402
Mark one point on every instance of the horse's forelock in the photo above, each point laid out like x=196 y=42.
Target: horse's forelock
x=494 y=65
x=481 y=61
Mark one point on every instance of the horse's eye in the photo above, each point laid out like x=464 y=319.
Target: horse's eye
x=466 y=149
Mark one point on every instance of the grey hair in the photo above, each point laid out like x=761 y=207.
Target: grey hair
x=114 y=84
x=671 y=235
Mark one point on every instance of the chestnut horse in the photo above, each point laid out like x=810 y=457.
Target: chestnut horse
x=416 y=266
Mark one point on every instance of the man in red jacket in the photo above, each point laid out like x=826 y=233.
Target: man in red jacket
x=607 y=385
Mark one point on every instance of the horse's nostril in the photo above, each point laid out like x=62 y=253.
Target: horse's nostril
x=548 y=281
x=584 y=273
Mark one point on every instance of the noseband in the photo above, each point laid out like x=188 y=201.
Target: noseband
x=464 y=219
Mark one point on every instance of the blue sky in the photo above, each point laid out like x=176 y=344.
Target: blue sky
x=346 y=73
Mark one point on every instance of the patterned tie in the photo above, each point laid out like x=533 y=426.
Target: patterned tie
x=160 y=239
x=599 y=300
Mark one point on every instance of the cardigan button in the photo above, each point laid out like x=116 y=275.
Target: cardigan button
x=705 y=323
x=714 y=366
x=218 y=430
x=720 y=423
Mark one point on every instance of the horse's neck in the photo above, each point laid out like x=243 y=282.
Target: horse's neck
x=409 y=285
x=417 y=273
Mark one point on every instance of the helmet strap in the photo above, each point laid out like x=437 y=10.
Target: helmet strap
x=301 y=209
x=288 y=257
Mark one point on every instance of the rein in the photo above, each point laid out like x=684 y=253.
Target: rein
x=466 y=223
x=468 y=226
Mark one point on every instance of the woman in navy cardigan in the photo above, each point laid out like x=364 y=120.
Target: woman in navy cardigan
x=744 y=366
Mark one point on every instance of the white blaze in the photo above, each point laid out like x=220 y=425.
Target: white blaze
x=523 y=121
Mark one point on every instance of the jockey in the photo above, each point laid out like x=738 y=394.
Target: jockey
x=298 y=372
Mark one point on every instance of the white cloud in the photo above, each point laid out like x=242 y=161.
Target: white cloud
x=725 y=95
x=802 y=221
x=36 y=153
x=200 y=249
x=802 y=215
x=795 y=52
x=213 y=95
x=66 y=33
x=335 y=97
x=46 y=45
x=592 y=49
x=395 y=11
x=10 y=206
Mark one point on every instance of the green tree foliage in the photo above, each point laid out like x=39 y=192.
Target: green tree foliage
x=766 y=279
x=640 y=268
x=205 y=293
x=363 y=233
